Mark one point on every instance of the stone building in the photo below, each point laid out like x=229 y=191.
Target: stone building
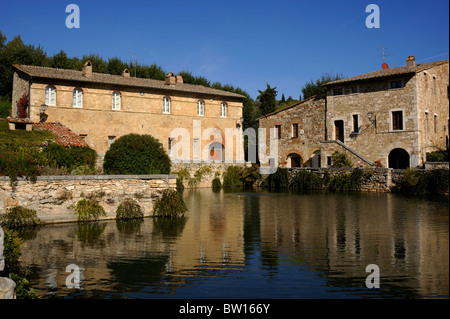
x=390 y=118
x=299 y=128
x=101 y=107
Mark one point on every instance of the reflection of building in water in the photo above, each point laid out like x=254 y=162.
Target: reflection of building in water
x=117 y=257
x=334 y=235
x=341 y=237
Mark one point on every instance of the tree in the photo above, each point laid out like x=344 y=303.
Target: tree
x=116 y=66
x=60 y=60
x=136 y=154
x=268 y=100
x=312 y=88
x=283 y=99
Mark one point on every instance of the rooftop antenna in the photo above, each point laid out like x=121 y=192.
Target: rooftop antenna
x=135 y=62
x=384 y=56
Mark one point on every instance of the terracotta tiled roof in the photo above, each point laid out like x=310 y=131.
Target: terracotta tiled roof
x=388 y=72
x=74 y=75
x=64 y=136
x=314 y=97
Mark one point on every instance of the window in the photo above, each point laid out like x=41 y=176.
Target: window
x=195 y=148
x=339 y=91
x=200 y=108
x=50 y=96
x=329 y=160
x=397 y=120
x=277 y=131
x=294 y=130
x=434 y=85
x=111 y=140
x=170 y=146
x=116 y=101
x=77 y=98
x=435 y=123
x=396 y=84
x=83 y=136
x=223 y=109
x=166 y=105
x=355 y=123
x=354 y=90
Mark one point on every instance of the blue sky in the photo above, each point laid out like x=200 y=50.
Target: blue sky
x=245 y=43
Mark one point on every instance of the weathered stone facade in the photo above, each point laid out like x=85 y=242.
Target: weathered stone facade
x=140 y=108
x=386 y=118
x=302 y=128
x=53 y=196
x=372 y=102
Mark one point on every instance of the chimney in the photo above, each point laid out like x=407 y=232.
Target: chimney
x=179 y=79
x=87 y=69
x=170 y=79
x=126 y=73
x=411 y=61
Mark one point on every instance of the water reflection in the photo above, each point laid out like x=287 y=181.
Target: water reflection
x=255 y=245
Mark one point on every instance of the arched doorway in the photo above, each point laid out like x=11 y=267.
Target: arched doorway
x=398 y=158
x=216 y=151
x=294 y=160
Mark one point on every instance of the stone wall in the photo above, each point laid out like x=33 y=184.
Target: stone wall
x=52 y=196
x=309 y=115
x=215 y=169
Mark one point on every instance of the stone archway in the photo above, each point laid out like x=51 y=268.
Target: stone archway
x=294 y=160
x=398 y=159
x=216 y=152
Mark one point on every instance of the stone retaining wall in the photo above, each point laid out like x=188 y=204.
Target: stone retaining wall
x=52 y=196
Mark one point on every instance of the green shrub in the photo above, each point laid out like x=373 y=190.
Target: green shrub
x=305 y=180
x=340 y=160
x=136 y=154
x=216 y=184
x=5 y=108
x=83 y=170
x=249 y=175
x=129 y=209
x=14 y=163
x=171 y=204
x=438 y=156
x=347 y=182
x=18 y=217
x=12 y=252
x=88 y=210
x=198 y=176
x=180 y=185
x=55 y=155
x=427 y=182
x=232 y=178
x=278 y=180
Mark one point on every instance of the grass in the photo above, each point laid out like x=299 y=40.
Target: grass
x=22 y=137
x=5 y=108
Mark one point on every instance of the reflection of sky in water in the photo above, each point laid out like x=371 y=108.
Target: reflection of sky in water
x=254 y=245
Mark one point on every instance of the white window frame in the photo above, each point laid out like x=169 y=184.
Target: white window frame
x=170 y=146
x=111 y=140
x=116 y=101
x=391 y=124
x=223 y=109
x=166 y=105
x=200 y=108
x=77 y=100
x=50 y=96
x=195 y=148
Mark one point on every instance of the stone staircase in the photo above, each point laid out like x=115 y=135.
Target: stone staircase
x=353 y=154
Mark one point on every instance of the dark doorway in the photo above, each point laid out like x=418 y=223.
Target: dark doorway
x=295 y=160
x=398 y=158
x=339 y=130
